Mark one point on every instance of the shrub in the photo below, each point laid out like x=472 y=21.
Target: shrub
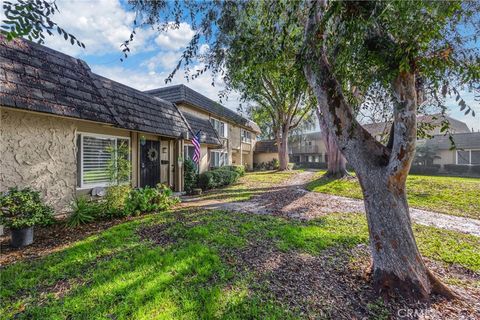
x=238 y=169
x=259 y=166
x=149 y=199
x=84 y=211
x=430 y=169
x=217 y=178
x=190 y=175
x=455 y=168
x=115 y=199
x=273 y=165
x=475 y=169
x=23 y=208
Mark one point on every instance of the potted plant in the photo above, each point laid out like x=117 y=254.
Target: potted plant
x=20 y=210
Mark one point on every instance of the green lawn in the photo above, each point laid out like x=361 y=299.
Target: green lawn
x=249 y=185
x=196 y=271
x=450 y=195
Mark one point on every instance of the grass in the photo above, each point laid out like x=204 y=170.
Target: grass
x=251 y=184
x=116 y=275
x=450 y=195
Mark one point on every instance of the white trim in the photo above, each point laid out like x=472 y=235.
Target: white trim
x=84 y=186
x=469 y=157
x=225 y=127
x=225 y=152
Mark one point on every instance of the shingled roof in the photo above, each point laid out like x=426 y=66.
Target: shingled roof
x=183 y=94
x=383 y=128
x=470 y=140
x=37 y=78
x=199 y=124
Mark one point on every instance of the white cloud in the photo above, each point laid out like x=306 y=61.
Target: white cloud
x=175 y=38
x=101 y=25
x=165 y=60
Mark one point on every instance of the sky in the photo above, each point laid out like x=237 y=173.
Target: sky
x=102 y=25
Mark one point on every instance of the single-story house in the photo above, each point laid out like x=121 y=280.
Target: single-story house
x=467 y=151
x=58 y=117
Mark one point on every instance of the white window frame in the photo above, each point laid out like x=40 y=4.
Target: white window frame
x=224 y=152
x=244 y=138
x=469 y=157
x=101 y=136
x=225 y=127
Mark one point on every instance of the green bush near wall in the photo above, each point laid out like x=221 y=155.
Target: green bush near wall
x=238 y=169
x=219 y=177
x=455 y=168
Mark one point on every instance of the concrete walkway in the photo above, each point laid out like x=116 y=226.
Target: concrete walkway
x=292 y=200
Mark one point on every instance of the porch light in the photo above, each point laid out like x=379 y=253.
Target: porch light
x=143 y=140
x=203 y=136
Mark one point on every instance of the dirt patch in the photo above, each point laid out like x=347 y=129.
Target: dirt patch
x=158 y=234
x=335 y=285
x=52 y=239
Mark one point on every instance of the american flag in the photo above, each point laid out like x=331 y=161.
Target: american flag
x=196 y=144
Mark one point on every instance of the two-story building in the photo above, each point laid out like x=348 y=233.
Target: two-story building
x=227 y=138
x=309 y=150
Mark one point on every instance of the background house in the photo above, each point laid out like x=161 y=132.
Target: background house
x=58 y=118
x=235 y=135
x=467 y=150
x=309 y=150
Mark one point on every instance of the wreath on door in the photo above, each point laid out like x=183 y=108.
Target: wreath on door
x=152 y=154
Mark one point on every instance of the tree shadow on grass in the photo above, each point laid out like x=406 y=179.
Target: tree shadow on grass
x=221 y=265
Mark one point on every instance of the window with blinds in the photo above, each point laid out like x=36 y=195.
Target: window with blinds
x=94 y=157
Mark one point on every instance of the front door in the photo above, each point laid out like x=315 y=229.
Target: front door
x=150 y=163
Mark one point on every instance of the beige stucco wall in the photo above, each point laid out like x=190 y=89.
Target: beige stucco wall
x=38 y=151
x=264 y=157
x=446 y=157
x=203 y=159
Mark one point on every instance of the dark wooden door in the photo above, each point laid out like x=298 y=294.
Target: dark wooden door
x=150 y=163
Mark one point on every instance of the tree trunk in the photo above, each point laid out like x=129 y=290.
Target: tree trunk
x=283 y=150
x=336 y=162
x=397 y=265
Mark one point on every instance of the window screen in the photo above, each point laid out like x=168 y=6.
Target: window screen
x=475 y=157
x=463 y=157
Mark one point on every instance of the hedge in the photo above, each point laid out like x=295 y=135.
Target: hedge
x=238 y=169
x=430 y=169
x=475 y=169
x=455 y=168
x=217 y=178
